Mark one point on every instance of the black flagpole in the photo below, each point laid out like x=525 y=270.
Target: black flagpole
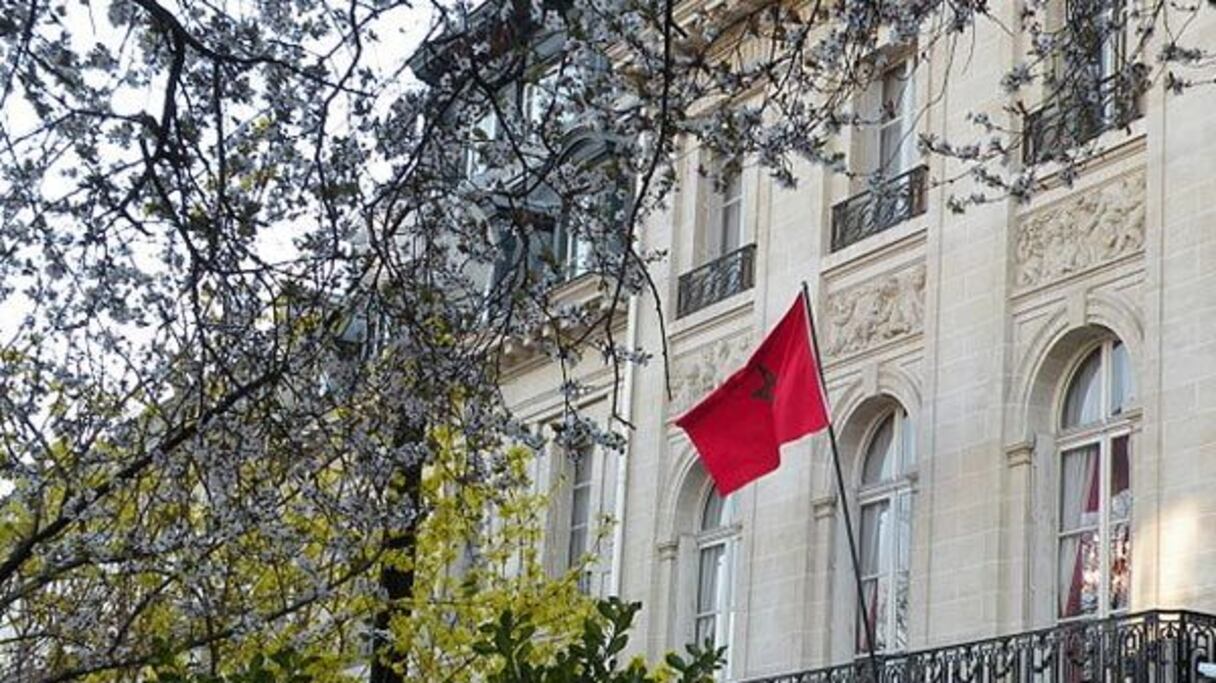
x=844 y=499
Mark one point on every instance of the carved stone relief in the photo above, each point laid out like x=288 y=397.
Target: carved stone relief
x=876 y=311
x=1096 y=226
x=696 y=374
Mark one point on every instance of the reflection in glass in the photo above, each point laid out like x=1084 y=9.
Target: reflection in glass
x=886 y=531
x=1122 y=384
x=1082 y=403
x=1079 y=562
x=715 y=570
x=719 y=511
x=880 y=456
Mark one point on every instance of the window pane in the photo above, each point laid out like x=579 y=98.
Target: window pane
x=890 y=145
x=705 y=630
x=899 y=630
x=582 y=468
x=580 y=505
x=1120 y=516
x=1082 y=403
x=1080 y=488
x=722 y=228
x=1122 y=385
x=894 y=92
x=896 y=634
x=541 y=244
x=1120 y=565
x=873 y=538
x=879 y=464
x=896 y=144
x=733 y=188
x=580 y=256
x=480 y=137
x=875 y=594
x=1079 y=574
x=1120 y=479
x=578 y=546
x=718 y=512
x=709 y=578
x=731 y=228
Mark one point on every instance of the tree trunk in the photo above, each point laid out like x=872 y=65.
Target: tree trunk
x=389 y=665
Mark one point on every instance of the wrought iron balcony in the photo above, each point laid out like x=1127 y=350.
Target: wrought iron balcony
x=723 y=277
x=1148 y=647
x=1071 y=121
x=871 y=212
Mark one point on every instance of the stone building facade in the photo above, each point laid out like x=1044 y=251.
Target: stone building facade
x=1024 y=393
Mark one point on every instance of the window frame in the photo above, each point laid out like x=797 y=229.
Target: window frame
x=725 y=536
x=717 y=204
x=1111 y=426
x=573 y=524
x=540 y=94
x=487 y=124
x=896 y=162
x=890 y=492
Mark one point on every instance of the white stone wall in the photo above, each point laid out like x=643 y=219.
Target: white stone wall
x=970 y=322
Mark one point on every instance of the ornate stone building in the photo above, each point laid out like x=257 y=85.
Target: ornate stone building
x=1025 y=395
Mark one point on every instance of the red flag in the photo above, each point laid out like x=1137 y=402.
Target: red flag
x=739 y=428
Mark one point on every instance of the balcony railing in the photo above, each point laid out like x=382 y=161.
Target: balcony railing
x=1077 y=119
x=1148 y=647
x=723 y=277
x=869 y=213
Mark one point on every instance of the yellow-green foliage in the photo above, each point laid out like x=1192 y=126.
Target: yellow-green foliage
x=478 y=555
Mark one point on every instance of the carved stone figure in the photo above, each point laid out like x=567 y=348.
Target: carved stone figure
x=696 y=374
x=873 y=312
x=1085 y=231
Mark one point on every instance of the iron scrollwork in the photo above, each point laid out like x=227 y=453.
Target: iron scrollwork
x=1147 y=647
x=890 y=203
x=721 y=278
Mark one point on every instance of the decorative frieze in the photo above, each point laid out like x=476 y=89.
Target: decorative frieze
x=876 y=311
x=1094 y=227
x=697 y=373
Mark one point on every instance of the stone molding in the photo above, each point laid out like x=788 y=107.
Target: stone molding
x=823 y=506
x=699 y=372
x=668 y=550
x=1020 y=454
x=1094 y=227
x=879 y=310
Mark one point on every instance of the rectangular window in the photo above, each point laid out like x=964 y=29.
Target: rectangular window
x=1120 y=523
x=548 y=103
x=897 y=119
x=482 y=134
x=875 y=557
x=1080 y=561
x=887 y=138
x=724 y=224
x=1095 y=508
x=1092 y=89
x=714 y=593
x=580 y=517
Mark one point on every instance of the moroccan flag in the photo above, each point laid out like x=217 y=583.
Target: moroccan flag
x=739 y=428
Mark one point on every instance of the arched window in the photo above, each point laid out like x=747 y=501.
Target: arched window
x=885 y=500
x=1095 y=501
x=717 y=543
